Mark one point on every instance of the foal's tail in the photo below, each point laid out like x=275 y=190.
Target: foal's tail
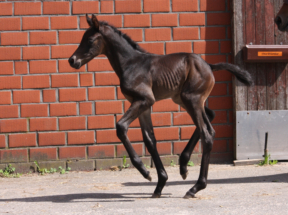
x=241 y=74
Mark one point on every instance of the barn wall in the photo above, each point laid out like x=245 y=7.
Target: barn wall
x=51 y=112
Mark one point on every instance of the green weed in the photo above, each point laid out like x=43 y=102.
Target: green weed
x=190 y=163
x=9 y=172
x=266 y=161
x=172 y=163
x=125 y=165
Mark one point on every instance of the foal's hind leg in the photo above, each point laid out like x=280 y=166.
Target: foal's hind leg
x=150 y=142
x=195 y=108
x=186 y=154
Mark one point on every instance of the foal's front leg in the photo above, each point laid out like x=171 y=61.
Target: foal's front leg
x=136 y=108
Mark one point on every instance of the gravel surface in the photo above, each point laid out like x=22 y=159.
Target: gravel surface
x=231 y=190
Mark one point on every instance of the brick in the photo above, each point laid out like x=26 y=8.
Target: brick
x=83 y=7
x=12 y=156
x=169 y=133
x=212 y=59
x=27 y=8
x=223 y=131
x=22 y=140
x=121 y=151
x=106 y=151
x=15 y=38
x=13 y=125
x=10 y=53
x=161 y=119
x=220 y=118
x=56 y=8
x=43 y=37
x=174 y=47
x=84 y=165
x=186 y=132
x=85 y=108
x=51 y=139
x=33 y=53
x=101 y=93
x=9 y=111
x=107 y=6
x=81 y=137
x=96 y=122
x=103 y=79
x=212 y=33
x=10 y=24
x=26 y=96
x=5 y=9
x=63 y=109
x=162 y=148
x=128 y=6
x=192 y=19
x=70 y=80
x=135 y=135
x=218 y=19
x=72 y=152
x=180 y=146
x=135 y=34
x=206 y=47
x=64 y=22
x=43 y=154
x=185 y=33
x=220 y=89
x=2 y=141
x=213 y=5
x=68 y=37
x=64 y=51
x=102 y=164
x=108 y=107
x=155 y=48
x=182 y=118
x=34 y=110
x=43 y=124
x=21 y=67
x=184 y=5
x=36 y=81
x=6 y=68
x=115 y=20
x=164 y=20
x=120 y=94
x=86 y=79
x=99 y=65
x=72 y=123
x=156 y=6
x=138 y=20
x=12 y=82
x=64 y=66
x=5 y=97
x=49 y=95
x=166 y=105
x=35 y=23
x=41 y=66
x=72 y=94
x=226 y=46
x=106 y=136
x=157 y=34
x=219 y=146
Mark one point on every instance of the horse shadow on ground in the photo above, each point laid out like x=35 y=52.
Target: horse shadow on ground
x=130 y=197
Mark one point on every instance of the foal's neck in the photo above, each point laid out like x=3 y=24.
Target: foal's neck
x=119 y=52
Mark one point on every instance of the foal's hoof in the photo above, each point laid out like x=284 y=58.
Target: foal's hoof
x=189 y=195
x=156 y=196
x=149 y=177
x=184 y=176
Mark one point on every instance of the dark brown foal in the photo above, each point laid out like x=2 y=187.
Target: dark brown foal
x=146 y=78
x=281 y=19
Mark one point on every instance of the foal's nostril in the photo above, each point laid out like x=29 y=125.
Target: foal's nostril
x=71 y=61
x=278 y=21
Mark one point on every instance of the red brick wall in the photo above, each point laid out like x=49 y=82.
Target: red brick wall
x=51 y=111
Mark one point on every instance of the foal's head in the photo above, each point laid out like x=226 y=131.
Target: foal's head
x=92 y=44
x=282 y=17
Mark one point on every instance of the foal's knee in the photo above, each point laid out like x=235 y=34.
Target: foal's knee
x=121 y=130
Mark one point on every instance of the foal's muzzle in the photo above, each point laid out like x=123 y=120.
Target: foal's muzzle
x=74 y=63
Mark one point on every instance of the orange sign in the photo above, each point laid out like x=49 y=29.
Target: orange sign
x=270 y=54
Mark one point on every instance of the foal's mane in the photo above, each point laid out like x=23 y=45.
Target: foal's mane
x=125 y=36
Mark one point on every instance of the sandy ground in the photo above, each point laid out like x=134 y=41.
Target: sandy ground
x=231 y=190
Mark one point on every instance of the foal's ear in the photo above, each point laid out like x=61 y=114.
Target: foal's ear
x=95 y=22
x=89 y=20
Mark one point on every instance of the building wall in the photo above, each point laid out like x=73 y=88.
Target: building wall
x=51 y=112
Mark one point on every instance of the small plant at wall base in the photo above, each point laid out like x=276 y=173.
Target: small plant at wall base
x=125 y=165
x=190 y=163
x=44 y=171
x=9 y=172
x=266 y=161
